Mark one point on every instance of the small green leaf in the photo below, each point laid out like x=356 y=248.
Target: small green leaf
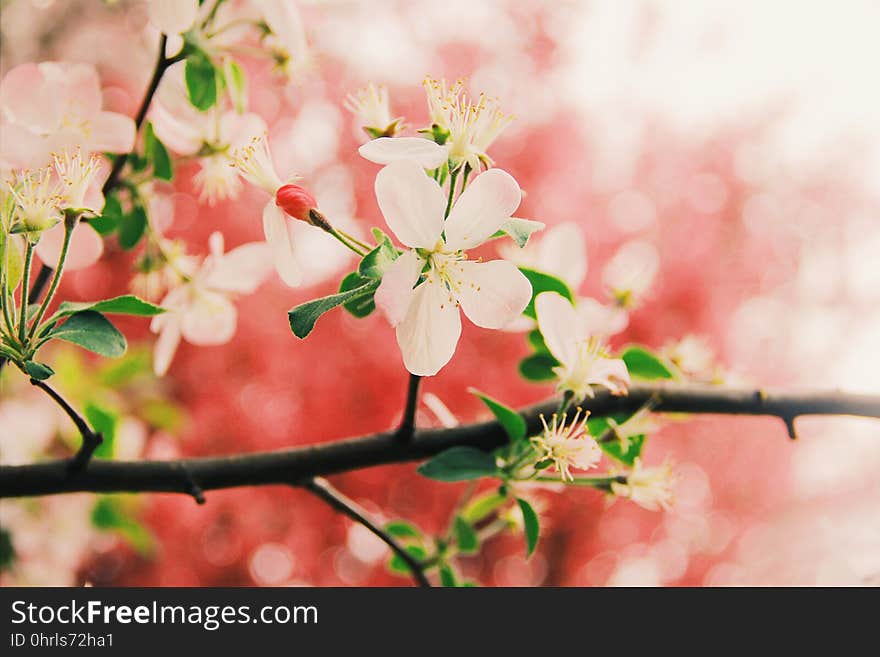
x=361 y=306
x=459 y=464
x=481 y=507
x=536 y=339
x=531 y=525
x=513 y=422
x=201 y=80
x=378 y=260
x=7 y=550
x=132 y=227
x=303 y=317
x=642 y=364
x=597 y=426
x=109 y=514
x=236 y=85
x=542 y=282
x=110 y=216
x=91 y=330
x=538 y=367
x=520 y=230
x=103 y=421
x=38 y=371
x=465 y=536
x=398 y=565
x=157 y=155
x=403 y=529
x=12 y=259
x=127 y=304
x=447 y=576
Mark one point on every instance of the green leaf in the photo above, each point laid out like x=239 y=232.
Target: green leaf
x=132 y=227
x=127 y=304
x=642 y=364
x=110 y=216
x=481 y=507
x=201 y=80
x=236 y=85
x=520 y=230
x=447 y=576
x=7 y=550
x=303 y=317
x=538 y=367
x=513 y=422
x=12 y=259
x=531 y=525
x=597 y=426
x=378 y=260
x=542 y=282
x=536 y=340
x=465 y=537
x=403 y=529
x=157 y=155
x=362 y=306
x=105 y=422
x=109 y=514
x=38 y=371
x=398 y=565
x=459 y=464
x=91 y=330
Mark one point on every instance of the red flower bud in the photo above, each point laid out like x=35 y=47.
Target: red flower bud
x=295 y=201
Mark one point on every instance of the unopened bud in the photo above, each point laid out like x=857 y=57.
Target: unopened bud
x=296 y=201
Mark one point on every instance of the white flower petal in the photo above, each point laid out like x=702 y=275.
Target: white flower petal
x=166 y=346
x=489 y=201
x=562 y=252
x=560 y=326
x=173 y=16
x=209 y=319
x=600 y=319
x=430 y=330
x=493 y=294
x=385 y=150
x=242 y=269
x=412 y=204
x=396 y=289
x=278 y=237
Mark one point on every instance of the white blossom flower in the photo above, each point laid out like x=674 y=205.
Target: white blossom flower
x=468 y=130
x=692 y=355
x=37 y=200
x=568 y=445
x=200 y=309
x=560 y=251
x=640 y=423
x=581 y=354
x=631 y=271
x=421 y=291
x=286 y=40
x=650 y=488
x=372 y=110
x=77 y=176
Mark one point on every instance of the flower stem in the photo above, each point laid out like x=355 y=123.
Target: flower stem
x=566 y=401
x=25 y=284
x=343 y=239
x=452 y=178
x=354 y=240
x=69 y=225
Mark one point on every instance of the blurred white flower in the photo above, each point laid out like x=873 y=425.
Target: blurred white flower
x=650 y=488
x=631 y=271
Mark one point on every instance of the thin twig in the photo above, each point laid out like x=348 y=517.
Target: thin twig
x=284 y=466
x=323 y=489
x=407 y=427
x=91 y=439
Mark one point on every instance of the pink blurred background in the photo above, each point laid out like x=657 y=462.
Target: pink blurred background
x=741 y=140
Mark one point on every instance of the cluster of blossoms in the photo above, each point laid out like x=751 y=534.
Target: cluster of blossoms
x=438 y=190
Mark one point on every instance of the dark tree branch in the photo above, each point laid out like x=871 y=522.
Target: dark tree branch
x=91 y=439
x=296 y=464
x=322 y=488
x=407 y=427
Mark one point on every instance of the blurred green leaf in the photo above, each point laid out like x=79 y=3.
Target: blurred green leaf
x=127 y=304
x=398 y=565
x=91 y=330
x=110 y=514
x=538 y=367
x=542 y=282
x=103 y=421
x=110 y=216
x=531 y=525
x=403 y=529
x=201 y=80
x=459 y=464
x=157 y=154
x=447 y=576
x=465 y=537
x=482 y=506
x=513 y=422
x=642 y=364
x=132 y=226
